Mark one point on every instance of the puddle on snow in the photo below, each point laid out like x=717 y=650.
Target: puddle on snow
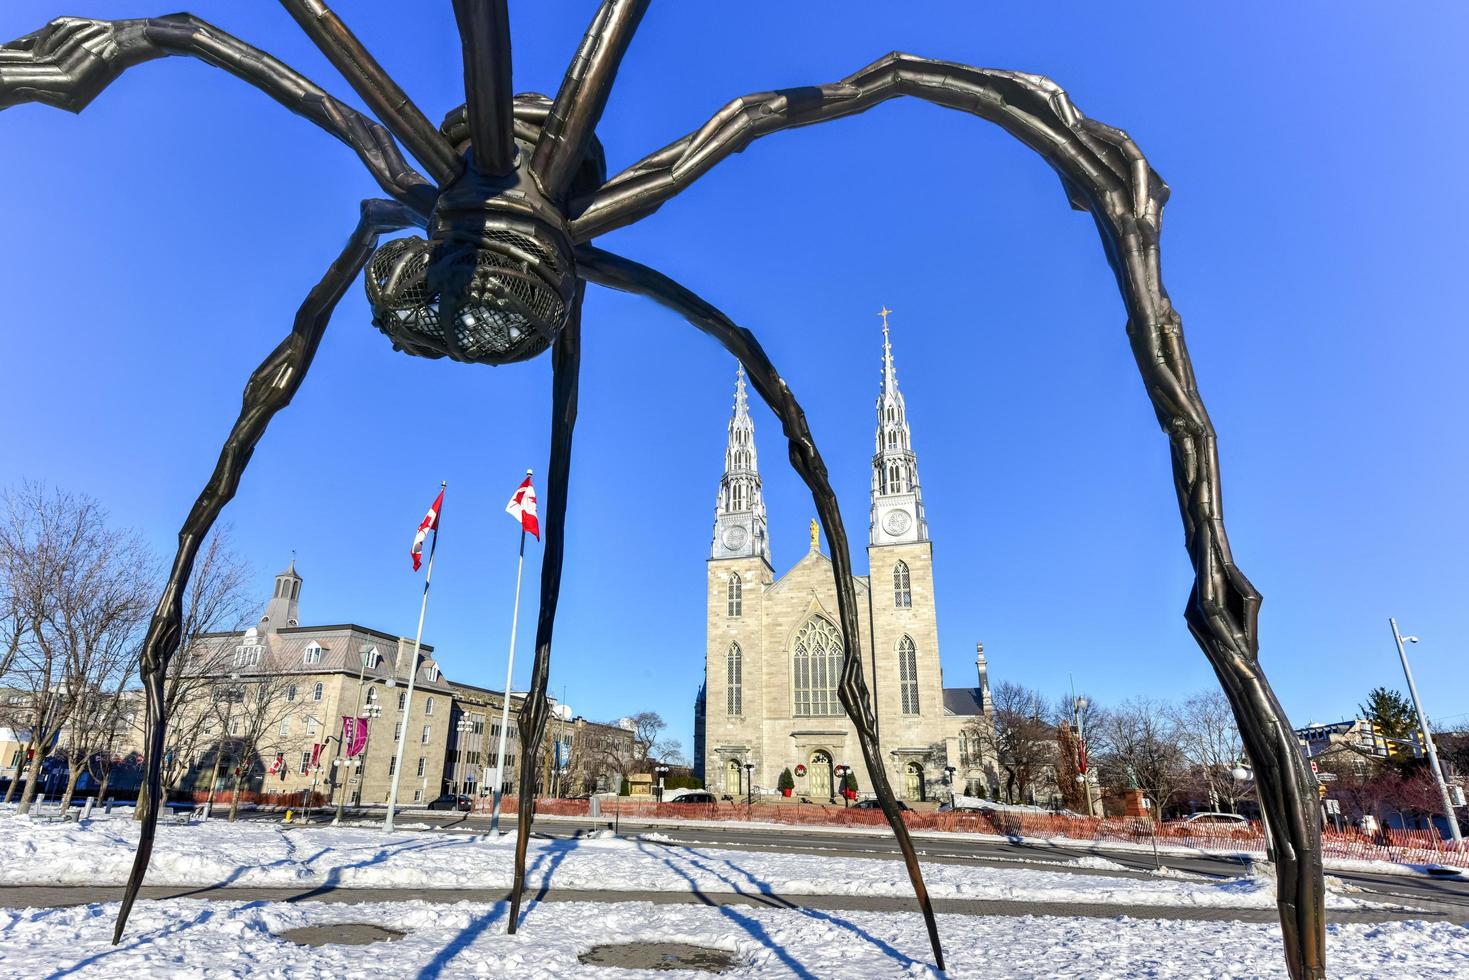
x=659 y=956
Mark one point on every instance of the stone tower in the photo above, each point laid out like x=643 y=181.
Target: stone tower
x=897 y=498
x=284 y=607
x=908 y=683
x=739 y=515
x=739 y=572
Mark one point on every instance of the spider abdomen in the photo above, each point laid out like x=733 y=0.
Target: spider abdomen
x=491 y=285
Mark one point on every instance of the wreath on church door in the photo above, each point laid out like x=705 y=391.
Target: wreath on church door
x=800 y=770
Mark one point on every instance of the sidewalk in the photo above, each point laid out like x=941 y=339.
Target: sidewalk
x=33 y=896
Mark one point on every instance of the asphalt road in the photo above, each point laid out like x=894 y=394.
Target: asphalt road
x=1443 y=896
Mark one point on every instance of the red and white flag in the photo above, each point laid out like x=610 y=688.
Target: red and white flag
x=522 y=507
x=430 y=523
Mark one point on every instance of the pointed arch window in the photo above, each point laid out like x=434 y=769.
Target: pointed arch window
x=902 y=586
x=734 y=677
x=818 y=664
x=908 y=674
x=735 y=597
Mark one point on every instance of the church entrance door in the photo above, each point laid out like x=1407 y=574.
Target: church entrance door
x=914 y=787
x=732 y=778
x=820 y=776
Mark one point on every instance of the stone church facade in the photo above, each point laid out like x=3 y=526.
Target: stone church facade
x=774 y=647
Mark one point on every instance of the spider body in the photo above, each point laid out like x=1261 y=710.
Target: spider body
x=493 y=283
x=515 y=192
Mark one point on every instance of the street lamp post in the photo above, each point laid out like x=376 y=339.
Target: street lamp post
x=464 y=727
x=371 y=712
x=1078 y=705
x=949 y=782
x=841 y=774
x=1443 y=789
x=1241 y=772
x=662 y=771
x=749 y=784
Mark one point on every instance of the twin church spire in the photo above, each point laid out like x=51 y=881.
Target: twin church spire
x=740 y=529
x=739 y=515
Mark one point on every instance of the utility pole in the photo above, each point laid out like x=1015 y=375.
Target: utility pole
x=1443 y=789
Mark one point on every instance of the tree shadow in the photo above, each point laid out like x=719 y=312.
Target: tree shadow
x=174 y=928
x=767 y=894
x=434 y=967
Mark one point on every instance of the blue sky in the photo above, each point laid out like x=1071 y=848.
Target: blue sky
x=159 y=243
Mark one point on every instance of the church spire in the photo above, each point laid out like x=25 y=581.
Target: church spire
x=284 y=607
x=897 y=499
x=739 y=514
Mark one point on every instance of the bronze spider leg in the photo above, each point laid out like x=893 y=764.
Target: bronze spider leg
x=566 y=369
x=1104 y=173
x=617 y=272
x=376 y=88
x=484 y=34
x=572 y=123
x=270 y=388
x=68 y=63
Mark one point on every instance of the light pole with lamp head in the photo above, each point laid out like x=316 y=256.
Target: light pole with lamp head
x=1078 y=705
x=464 y=727
x=841 y=774
x=357 y=763
x=1242 y=773
x=749 y=784
x=949 y=782
x=1443 y=789
x=661 y=770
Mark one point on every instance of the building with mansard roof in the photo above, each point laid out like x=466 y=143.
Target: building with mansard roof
x=281 y=689
x=774 y=647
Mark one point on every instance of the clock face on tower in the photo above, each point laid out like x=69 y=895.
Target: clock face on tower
x=897 y=521
x=734 y=538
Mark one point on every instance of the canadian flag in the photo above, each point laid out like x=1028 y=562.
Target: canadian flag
x=522 y=507
x=430 y=523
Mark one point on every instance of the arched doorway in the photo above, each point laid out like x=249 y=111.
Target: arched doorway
x=913 y=781
x=820 y=775
x=732 y=777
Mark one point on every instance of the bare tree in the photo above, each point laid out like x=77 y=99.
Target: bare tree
x=217 y=601
x=1019 y=738
x=1141 y=741
x=1211 y=744
x=249 y=711
x=648 y=748
x=82 y=588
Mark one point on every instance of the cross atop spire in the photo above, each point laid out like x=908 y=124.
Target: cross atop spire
x=889 y=374
x=742 y=402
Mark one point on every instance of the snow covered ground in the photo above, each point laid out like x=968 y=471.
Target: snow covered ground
x=258 y=853
x=195 y=939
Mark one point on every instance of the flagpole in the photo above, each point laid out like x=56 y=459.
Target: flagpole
x=505 y=701
x=412 y=674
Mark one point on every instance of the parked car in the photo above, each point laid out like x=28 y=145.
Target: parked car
x=451 y=802
x=874 y=805
x=692 y=796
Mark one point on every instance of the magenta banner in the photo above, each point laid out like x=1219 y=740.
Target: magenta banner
x=354 y=734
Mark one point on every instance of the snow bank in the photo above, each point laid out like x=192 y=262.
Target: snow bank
x=257 y=853
x=189 y=938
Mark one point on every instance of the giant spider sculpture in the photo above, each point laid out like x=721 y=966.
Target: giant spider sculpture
x=516 y=191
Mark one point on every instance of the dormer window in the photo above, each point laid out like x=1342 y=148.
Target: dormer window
x=248 y=655
x=371 y=659
x=431 y=674
x=312 y=654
